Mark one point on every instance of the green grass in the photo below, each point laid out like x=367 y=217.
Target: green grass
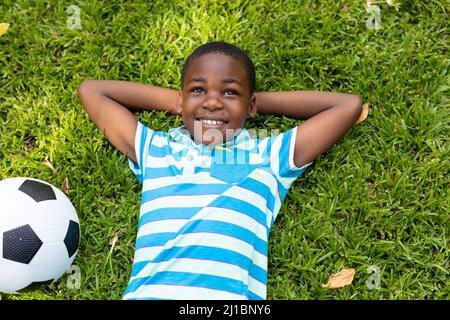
x=378 y=197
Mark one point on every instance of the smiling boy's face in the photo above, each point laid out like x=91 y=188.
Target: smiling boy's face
x=215 y=98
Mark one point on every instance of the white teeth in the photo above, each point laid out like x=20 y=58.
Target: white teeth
x=206 y=121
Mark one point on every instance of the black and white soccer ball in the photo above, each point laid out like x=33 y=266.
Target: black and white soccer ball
x=39 y=234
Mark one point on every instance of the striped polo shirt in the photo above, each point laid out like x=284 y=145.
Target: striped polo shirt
x=206 y=213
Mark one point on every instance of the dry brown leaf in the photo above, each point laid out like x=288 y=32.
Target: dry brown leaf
x=3 y=28
x=364 y=113
x=48 y=164
x=341 y=279
x=66 y=185
x=116 y=236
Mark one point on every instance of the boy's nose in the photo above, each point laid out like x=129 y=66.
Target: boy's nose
x=213 y=103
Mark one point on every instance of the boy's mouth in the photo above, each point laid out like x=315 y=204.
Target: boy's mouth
x=210 y=131
x=211 y=122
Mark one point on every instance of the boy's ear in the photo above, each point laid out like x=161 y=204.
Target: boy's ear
x=252 y=107
x=179 y=103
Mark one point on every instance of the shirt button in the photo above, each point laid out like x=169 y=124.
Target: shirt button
x=189 y=157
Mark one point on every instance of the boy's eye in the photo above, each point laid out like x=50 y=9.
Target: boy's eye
x=229 y=92
x=197 y=90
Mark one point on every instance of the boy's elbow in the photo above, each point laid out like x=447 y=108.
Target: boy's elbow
x=86 y=94
x=84 y=87
x=88 y=89
x=356 y=104
x=351 y=102
x=356 y=108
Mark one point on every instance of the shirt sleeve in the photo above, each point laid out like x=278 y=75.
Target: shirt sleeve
x=280 y=151
x=142 y=142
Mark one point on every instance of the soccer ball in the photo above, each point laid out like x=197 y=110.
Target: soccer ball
x=39 y=234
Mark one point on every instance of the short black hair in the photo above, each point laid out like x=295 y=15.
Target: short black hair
x=228 y=50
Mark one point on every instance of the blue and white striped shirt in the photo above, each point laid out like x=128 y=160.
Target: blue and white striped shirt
x=206 y=213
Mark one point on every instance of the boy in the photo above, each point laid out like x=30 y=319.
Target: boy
x=211 y=192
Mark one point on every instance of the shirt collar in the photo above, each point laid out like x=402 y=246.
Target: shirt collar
x=182 y=135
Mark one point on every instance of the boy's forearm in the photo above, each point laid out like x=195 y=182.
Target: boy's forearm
x=134 y=96
x=301 y=105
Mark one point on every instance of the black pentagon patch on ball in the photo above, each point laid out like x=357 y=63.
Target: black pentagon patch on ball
x=35 y=285
x=72 y=238
x=38 y=191
x=20 y=244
